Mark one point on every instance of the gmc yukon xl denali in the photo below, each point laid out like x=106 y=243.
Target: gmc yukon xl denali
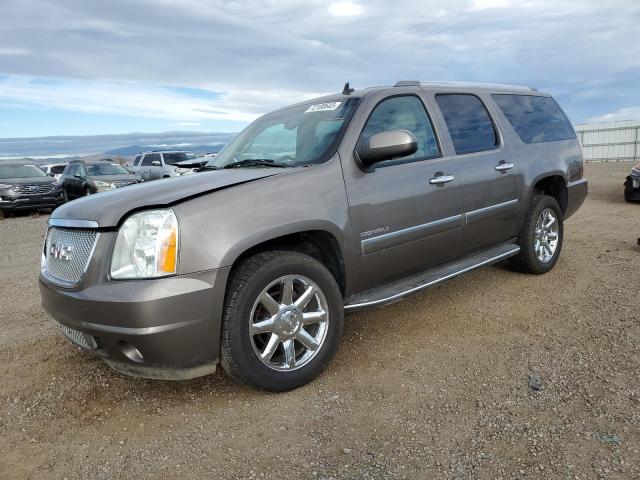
x=341 y=203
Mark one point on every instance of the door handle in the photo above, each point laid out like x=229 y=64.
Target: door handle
x=440 y=179
x=504 y=166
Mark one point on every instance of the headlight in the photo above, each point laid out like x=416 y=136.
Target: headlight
x=100 y=184
x=146 y=246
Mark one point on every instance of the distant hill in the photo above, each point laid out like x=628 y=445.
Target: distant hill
x=64 y=147
x=135 y=149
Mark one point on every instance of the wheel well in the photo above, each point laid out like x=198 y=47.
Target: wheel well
x=555 y=187
x=318 y=244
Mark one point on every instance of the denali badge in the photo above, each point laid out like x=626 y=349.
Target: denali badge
x=61 y=252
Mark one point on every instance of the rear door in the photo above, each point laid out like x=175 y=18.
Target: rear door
x=404 y=217
x=485 y=171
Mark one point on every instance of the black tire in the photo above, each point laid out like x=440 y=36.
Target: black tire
x=628 y=190
x=65 y=196
x=245 y=285
x=527 y=260
x=87 y=192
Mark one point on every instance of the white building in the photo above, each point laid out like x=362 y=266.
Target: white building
x=610 y=141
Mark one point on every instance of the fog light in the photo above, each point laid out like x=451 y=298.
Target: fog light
x=131 y=352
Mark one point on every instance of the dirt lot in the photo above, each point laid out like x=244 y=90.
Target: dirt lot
x=434 y=387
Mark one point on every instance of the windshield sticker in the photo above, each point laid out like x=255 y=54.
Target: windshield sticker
x=323 y=107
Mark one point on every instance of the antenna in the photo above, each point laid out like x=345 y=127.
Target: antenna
x=346 y=90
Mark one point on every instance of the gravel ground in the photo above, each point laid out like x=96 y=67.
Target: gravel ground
x=433 y=387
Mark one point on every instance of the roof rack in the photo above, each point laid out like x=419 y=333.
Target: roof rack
x=408 y=83
x=478 y=84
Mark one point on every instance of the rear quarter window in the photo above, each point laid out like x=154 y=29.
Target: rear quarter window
x=535 y=119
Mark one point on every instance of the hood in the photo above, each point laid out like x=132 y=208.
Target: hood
x=27 y=181
x=122 y=177
x=108 y=208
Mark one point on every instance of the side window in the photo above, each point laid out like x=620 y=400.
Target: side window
x=136 y=161
x=72 y=170
x=149 y=159
x=468 y=122
x=403 y=113
x=535 y=119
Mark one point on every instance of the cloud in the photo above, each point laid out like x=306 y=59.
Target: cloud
x=257 y=55
x=627 y=113
x=141 y=100
x=345 y=9
x=185 y=124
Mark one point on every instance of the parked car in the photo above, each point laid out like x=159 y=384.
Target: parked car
x=160 y=164
x=26 y=187
x=632 y=185
x=82 y=178
x=342 y=203
x=54 y=169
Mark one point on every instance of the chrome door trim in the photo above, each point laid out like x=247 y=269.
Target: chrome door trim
x=65 y=223
x=482 y=213
x=392 y=239
x=399 y=296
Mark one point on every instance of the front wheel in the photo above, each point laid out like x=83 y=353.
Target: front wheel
x=541 y=237
x=282 y=321
x=87 y=192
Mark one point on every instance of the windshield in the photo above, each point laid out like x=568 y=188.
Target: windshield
x=97 y=170
x=21 y=171
x=296 y=136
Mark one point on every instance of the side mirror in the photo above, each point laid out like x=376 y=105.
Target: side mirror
x=51 y=174
x=156 y=163
x=387 y=146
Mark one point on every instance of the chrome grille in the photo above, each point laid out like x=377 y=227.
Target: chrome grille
x=79 y=338
x=36 y=189
x=68 y=251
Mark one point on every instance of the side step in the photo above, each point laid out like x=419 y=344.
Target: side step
x=399 y=289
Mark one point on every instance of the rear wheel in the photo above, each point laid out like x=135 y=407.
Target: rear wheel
x=541 y=237
x=628 y=190
x=282 y=321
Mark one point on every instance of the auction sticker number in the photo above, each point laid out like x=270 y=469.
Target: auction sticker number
x=323 y=107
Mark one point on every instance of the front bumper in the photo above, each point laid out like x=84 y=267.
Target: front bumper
x=576 y=193
x=165 y=328
x=31 y=202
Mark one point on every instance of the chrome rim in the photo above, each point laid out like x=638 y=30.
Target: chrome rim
x=546 y=235
x=289 y=323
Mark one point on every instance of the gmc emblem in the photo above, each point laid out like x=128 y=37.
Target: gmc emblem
x=61 y=252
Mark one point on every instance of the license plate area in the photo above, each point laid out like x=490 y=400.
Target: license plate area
x=81 y=339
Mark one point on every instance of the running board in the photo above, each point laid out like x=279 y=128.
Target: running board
x=399 y=289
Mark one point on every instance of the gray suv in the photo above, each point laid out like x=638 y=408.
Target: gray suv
x=342 y=203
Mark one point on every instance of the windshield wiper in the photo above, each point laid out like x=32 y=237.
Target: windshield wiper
x=208 y=167
x=254 y=162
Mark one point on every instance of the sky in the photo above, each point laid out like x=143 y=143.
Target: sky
x=87 y=67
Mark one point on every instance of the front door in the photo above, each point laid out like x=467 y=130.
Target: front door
x=485 y=172
x=406 y=213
